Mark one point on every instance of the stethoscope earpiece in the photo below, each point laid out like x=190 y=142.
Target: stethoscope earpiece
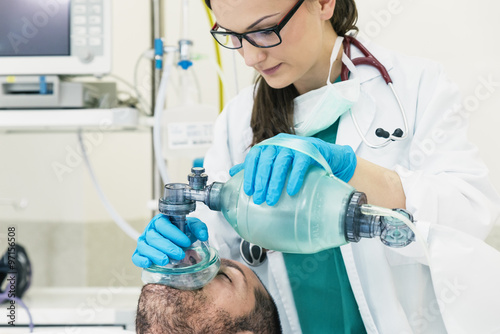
x=384 y=134
x=398 y=133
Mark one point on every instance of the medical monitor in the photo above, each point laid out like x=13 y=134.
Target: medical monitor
x=55 y=37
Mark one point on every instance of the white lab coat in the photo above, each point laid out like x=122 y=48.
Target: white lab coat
x=443 y=178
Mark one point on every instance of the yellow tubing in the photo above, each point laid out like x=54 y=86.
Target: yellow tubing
x=217 y=55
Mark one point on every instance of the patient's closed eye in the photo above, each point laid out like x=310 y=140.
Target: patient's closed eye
x=224 y=274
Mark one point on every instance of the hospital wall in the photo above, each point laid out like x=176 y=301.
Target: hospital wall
x=70 y=237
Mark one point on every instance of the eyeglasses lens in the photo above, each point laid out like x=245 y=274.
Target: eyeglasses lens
x=227 y=40
x=258 y=38
x=264 y=38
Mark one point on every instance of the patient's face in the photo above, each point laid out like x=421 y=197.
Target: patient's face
x=233 y=288
x=235 y=301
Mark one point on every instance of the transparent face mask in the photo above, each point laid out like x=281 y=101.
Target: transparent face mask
x=197 y=269
x=201 y=263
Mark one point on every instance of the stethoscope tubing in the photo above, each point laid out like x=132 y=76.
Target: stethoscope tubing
x=403 y=115
x=370 y=60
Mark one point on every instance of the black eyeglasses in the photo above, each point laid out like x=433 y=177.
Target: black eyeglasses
x=263 y=38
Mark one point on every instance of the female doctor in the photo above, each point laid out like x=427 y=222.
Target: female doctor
x=420 y=161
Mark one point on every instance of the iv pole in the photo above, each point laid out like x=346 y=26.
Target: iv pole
x=157 y=31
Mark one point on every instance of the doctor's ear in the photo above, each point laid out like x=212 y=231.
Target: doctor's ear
x=327 y=7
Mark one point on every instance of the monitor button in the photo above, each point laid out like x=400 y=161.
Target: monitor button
x=95 y=20
x=95 y=41
x=96 y=9
x=80 y=9
x=80 y=20
x=95 y=30
x=80 y=41
x=86 y=56
x=80 y=30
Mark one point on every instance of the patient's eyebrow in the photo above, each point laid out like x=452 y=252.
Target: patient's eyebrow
x=232 y=265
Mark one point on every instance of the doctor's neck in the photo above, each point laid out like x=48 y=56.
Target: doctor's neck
x=318 y=75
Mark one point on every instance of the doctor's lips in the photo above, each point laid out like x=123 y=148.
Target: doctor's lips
x=271 y=70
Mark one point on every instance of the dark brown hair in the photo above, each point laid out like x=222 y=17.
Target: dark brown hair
x=273 y=108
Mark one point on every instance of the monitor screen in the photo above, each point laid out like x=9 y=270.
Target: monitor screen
x=34 y=28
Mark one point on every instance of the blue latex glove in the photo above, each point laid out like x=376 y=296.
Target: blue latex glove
x=266 y=168
x=162 y=240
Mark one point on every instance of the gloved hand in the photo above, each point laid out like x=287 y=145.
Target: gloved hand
x=162 y=240
x=266 y=168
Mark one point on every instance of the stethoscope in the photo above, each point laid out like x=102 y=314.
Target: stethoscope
x=369 y=59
